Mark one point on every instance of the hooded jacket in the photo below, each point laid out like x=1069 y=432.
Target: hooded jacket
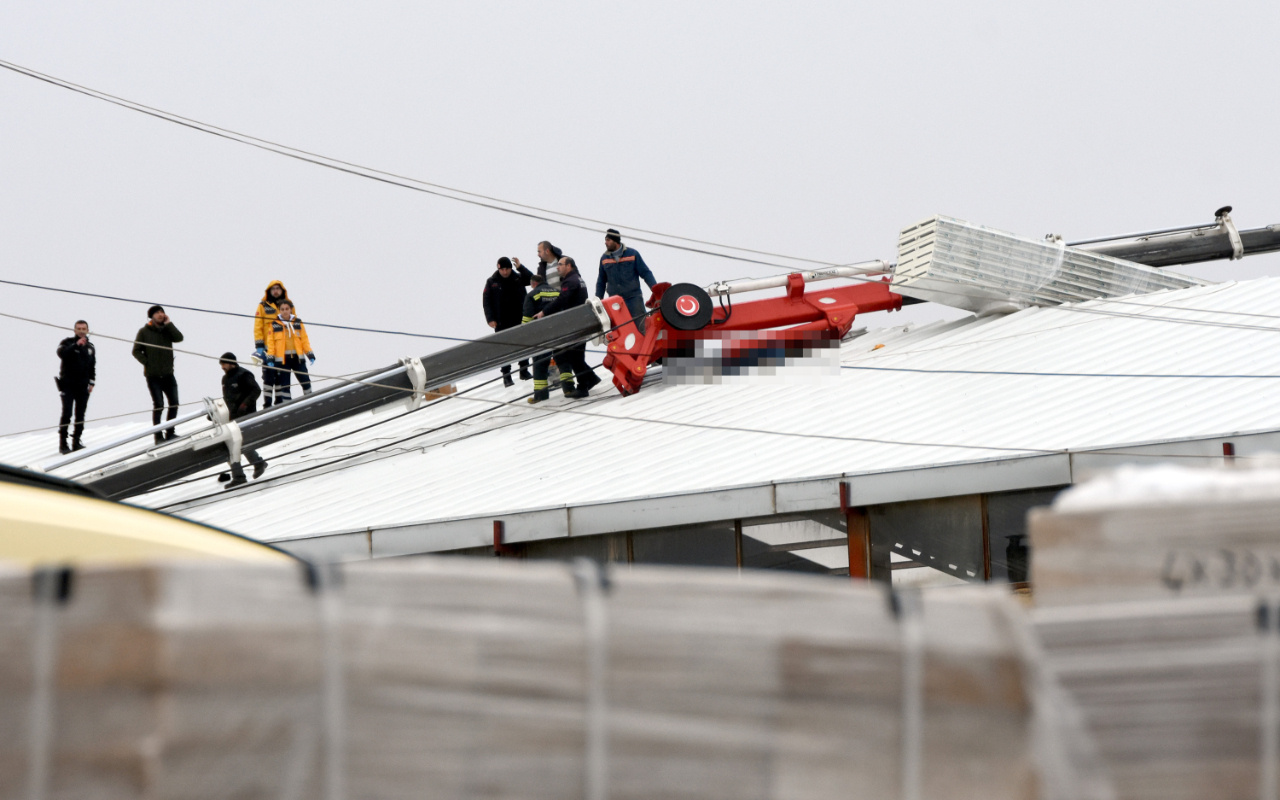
x=547 y=269
x=267 y=311
x=504 y=297
x=287 y=338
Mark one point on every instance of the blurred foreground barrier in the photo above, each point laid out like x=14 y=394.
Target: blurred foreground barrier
x=456 y=678
x=1156 y=593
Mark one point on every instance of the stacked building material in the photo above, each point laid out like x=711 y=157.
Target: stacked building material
x=976 y=268
x=1155 y=607
x=1171 y=692
x=1158 y=532
x=710 y=686
x=158 y=682
x=456 y=678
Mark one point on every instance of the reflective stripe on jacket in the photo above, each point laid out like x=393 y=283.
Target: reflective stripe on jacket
x=287 y=338
x=621 y=271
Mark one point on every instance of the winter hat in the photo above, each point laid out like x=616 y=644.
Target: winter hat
x=614 y=235
x=151 y=312
x=504 y=263
x=228 y=358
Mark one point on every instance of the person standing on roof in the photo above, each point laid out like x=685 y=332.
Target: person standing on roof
x=268 y=310
x=621 y=269
x=539 y=296
x=504 y=297
x=153 y=348
x=240 y=392
x=548 y=256
x=287 y=345
x=75 y=382
x=572 y=360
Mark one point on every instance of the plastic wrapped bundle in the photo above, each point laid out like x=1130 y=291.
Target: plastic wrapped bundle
x=1173 y=693
x=454 y=678
x=167 y=681
x=973 y=267
x=1159 y=532
x=473 y=679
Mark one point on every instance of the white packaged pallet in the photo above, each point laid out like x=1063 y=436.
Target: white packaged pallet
x=976 y=268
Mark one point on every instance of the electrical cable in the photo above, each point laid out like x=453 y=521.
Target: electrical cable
x=276 y=457
x=242 y=315
x=498 y=404
x=557 y=344
x=415 y=184
x=1050 y=374
x=95 y=419
x=136 y=413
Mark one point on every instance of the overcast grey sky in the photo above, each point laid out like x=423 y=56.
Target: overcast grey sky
x=814 y=129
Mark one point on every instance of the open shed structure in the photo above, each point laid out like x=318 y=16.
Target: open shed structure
x=926 y=451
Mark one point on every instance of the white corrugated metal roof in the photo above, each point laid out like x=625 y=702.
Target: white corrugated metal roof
x=975 y=390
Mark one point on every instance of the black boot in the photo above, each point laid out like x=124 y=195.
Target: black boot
x=62 y=445
x=259 y=467
x=568 y=387
x=506 y=380
x=540 y=396
x=237 y=477
x=76 y=444
x=588 y=381
x=159 y=438
x=525 y=375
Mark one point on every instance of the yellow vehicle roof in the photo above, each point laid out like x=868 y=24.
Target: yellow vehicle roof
x=44 y=526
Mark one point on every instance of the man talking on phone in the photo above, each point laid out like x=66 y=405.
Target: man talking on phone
x=153 y=348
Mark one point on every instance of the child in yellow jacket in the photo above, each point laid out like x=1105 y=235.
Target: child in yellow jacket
x=287 y=345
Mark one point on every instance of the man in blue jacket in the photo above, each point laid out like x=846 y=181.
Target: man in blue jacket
x=621 y=269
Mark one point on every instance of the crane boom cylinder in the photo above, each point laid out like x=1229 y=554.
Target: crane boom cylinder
x=177 y=459
x=1187 y=247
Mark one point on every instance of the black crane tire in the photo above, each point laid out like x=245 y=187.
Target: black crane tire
x=686 y=307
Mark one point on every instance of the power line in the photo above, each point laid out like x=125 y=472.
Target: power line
x=219 y=312
x=1049 y=374
x=498 y=404
x=415 y=184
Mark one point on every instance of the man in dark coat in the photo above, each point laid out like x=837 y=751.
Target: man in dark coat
x=153 y=348
x=75 y=383
x=548 y=256
x=572 y=360
x=504 y=305
x=240 y=391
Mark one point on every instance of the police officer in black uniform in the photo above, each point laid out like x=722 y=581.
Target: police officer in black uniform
x=75 y=383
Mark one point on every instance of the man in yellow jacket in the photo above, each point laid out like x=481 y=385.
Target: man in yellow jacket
x=267 y=312
x=287 y=345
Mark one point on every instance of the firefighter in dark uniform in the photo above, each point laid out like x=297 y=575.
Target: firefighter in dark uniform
x=240 y=391
x=572 y=360
x=75 y=383
x=504 y=305
x=540 y=295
